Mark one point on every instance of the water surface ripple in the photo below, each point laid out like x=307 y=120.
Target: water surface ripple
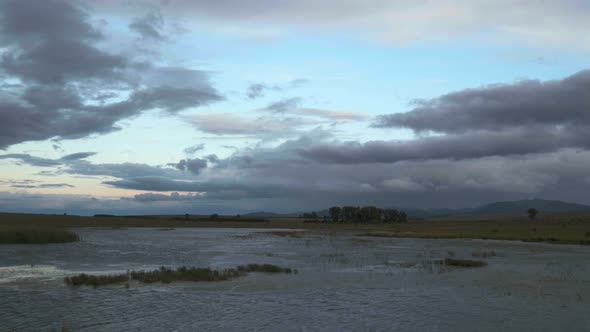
x=345 y=283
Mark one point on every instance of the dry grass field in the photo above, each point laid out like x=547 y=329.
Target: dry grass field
x=552 y=228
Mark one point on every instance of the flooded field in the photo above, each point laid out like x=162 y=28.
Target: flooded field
x=344 y=282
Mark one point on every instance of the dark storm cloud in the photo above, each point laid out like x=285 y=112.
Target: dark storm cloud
x=52 y=48
x=501 y=106
x=56 y=61
x=149 y=26
x=463 y=146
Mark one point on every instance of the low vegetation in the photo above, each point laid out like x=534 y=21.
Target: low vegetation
x=266 y=268
x=485 y=254
x=555 y=228
x=96 y=280
x=421 y=235
x=168 y=275
x=464 y=262
x=37 y=236
x=296 y=234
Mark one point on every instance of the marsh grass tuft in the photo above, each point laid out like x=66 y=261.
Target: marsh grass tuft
x=464 y=262
x=295 y=234
x=168 y=275
x=266 y=268
x=485 y=254
x=95 y=280
x=37 y=236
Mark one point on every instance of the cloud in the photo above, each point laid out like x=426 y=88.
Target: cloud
x=54 y=50
x=283 y=105
x=46 y=162
x=122 y=170
x=192 y=149
x=278 y=178
x=527 y=117
x=44 y=186
x=193 y=166
x=464 y=146
x=175 y=196
x=77 y=156
x=290 y=106
x=149 y=26
x=333 y=116
x=495 y=107
x=257 y=90
x=398 y=22
x=31 y=184
x=231 y=124
x=217 y=189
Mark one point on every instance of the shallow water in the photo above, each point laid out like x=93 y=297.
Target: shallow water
x=345 y=283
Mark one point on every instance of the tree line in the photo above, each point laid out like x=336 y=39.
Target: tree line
x=365 y=214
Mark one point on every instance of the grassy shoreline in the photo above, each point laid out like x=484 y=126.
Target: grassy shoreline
x=37 y=236
x=550 y=228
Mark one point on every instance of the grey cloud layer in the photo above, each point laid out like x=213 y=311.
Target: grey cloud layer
x=496 y=107
x=51 y=48
x=149 y=26
x=278 y=178
x=47 y=162
x=497 y=120
x=475 y=144
x=564 y=24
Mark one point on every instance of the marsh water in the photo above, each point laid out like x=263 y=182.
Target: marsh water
x=344 y=283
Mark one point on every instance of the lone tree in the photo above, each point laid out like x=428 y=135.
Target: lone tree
x=532 y=213
x=335 y=212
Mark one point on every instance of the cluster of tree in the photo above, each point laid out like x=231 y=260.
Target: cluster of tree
x=311 y=215
x=365 y=214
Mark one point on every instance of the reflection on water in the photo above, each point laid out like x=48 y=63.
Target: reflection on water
x=344 y=283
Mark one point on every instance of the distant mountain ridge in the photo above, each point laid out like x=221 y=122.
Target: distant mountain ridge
x=503 y=207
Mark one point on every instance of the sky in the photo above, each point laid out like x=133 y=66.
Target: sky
x=177 y=106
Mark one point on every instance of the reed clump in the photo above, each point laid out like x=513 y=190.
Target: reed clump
x=266 y=268
x=168 y=275
x=96 y=280
x=464 y=262
x=296 y=234
x=485 y=254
